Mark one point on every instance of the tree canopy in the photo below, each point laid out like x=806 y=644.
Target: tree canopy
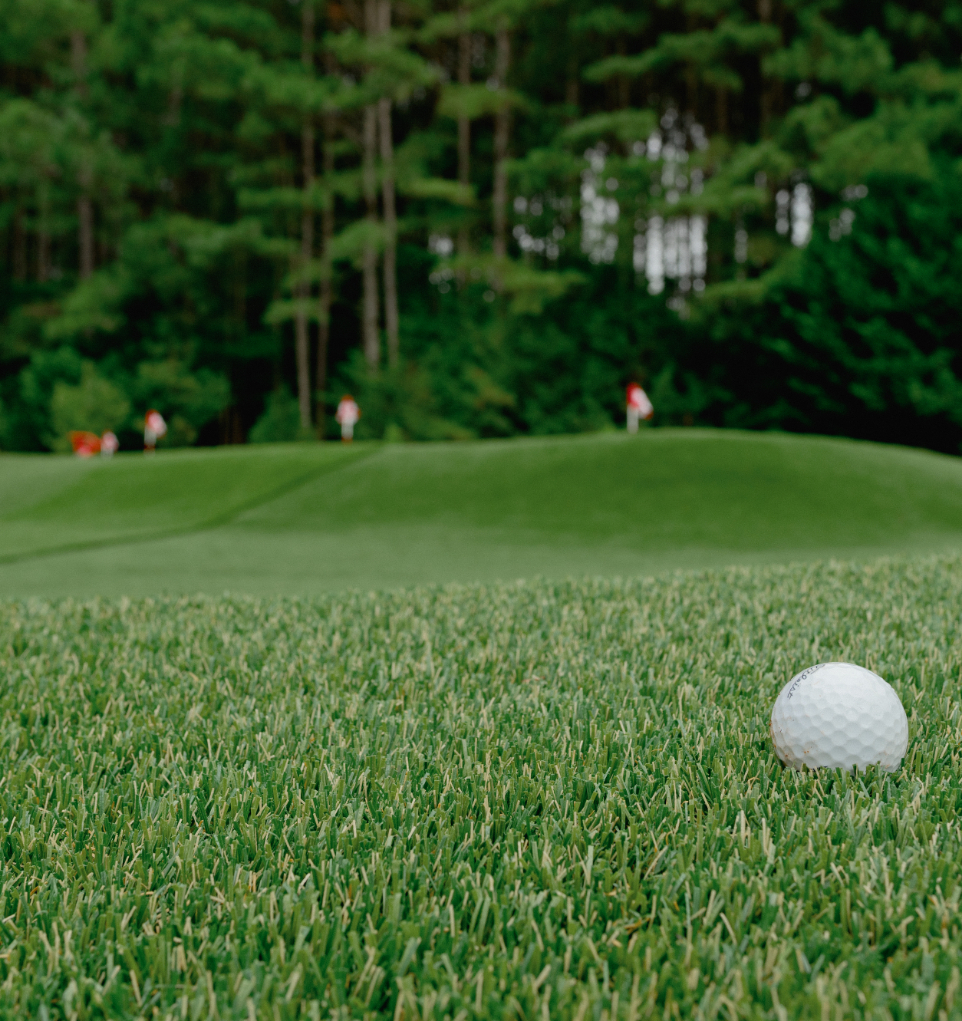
x=483 y=217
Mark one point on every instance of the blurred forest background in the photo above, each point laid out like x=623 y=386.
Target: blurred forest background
x=482 y=217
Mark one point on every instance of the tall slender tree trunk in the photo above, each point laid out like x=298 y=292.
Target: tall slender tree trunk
x=369 y=316
x=765 y=99
x=721 y=110
x=502 y=129
x=691 y=89
x=78 y=59
x=372 y=346
x=85 y=228
x=391 y=320
x=778 y=86
x=43 y=255
x=327 y=282
x=19 y=247
x=303 y=288
x=624 y=82
x=464 y=123
x=572 y=84
x=43 y=236
x=85 y=207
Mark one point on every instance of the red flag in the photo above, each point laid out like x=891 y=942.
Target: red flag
x=638 y=401
x=85 y=444
x=155 y=423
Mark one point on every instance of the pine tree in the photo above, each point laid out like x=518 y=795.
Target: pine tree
x=326 y=267
x=85 y=214
x=303 y=289
x=185 y=189
x=386 y=139
x=464 y=122
x=371 y=313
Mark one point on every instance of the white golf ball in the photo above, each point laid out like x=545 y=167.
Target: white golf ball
x=839 y=715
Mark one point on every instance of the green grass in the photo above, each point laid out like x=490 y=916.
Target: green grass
x=309 y=519
x=50 y=504
x=540 y=800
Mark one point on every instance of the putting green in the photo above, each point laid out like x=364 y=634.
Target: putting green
x=301 y=519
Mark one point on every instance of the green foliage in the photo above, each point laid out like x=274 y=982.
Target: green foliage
x=398 y=404
x=625 y=125
x=26 y=424
x=190 y=398
x=859 y=336
x=533 y=800
x=95 y=405
x=561 y=370
x=180 y=184
x=281 y=420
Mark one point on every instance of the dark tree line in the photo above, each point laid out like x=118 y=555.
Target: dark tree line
x=483 y=217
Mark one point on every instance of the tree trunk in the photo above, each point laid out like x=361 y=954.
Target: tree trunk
x=369 y=324
x=391 y=321
x=691 y=89
x=85 y=228
x=502 y=128
x=778 y=85
x=43 y=253
x=464 y=124
x=721 y=110
x=327 y=283
x=85 y=207
x=303 y=287
x=78 y=60
x=624 y=82
x=372 y=347
x=44 y=265
x=765 y=99
x=19 y=248
x=572 y=85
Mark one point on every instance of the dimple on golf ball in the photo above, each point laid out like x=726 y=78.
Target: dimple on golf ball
x=839 y=715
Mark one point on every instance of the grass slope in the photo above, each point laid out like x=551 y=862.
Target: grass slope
x=392 y=516
x=54 y=503
x=540 y=800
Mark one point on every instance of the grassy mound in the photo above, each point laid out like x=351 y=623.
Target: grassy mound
x=538 y=800
x=308 y=519
x=50 y=504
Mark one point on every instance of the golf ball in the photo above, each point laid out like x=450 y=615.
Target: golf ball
x=839 y=715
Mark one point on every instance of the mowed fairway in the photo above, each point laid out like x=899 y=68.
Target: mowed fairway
x=539 y=800
x=305 y=519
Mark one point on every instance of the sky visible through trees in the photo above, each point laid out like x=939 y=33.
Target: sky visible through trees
x=483 y=217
